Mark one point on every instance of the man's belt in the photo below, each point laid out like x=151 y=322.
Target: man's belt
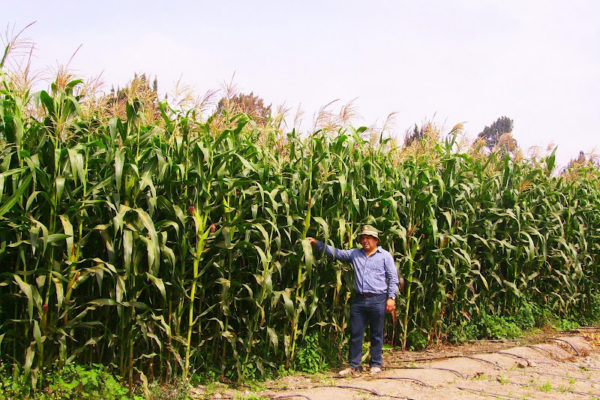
x=369 y=294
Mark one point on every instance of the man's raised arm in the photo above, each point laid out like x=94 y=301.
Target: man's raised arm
x=330 y=251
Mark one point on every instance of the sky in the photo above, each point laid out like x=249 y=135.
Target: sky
x=447 y=61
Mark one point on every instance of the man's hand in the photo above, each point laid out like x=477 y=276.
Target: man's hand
x=390 y=305
x=312 y=240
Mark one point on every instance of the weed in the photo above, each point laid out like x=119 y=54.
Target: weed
x=546 y=387
x=247 y=396
x=480 y=376
x=567 y=325
x=69 y=382
x=417 y=340
x=310 y=357
x=175 y=391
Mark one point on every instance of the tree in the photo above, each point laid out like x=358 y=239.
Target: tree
x=491 y=134
x=418 y=134
x=139 y=88
x=246 y=103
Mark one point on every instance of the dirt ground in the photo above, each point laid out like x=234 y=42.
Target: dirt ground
x=548 y=365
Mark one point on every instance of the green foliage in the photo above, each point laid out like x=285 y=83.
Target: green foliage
x=250 y=397
x=495 y=327
x=177 y=390
x=416 y=341
x=178 y=248
x=69 y=382
x=567 y=325
x=489 y=326
x=492 y=133
x=464 y=331
x=592 y=314
x=310 y=357
x=546 y=387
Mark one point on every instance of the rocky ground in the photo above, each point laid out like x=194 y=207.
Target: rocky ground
x=549 y=365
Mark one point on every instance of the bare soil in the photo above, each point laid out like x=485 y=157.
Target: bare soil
x=547 y=365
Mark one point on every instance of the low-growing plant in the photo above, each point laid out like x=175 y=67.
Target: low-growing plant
x=244 y=396
x=526 y=315
x=480 y=377
x=567 y=325
x=309 y=357
x=71 y=381
x=464 y=331
x=416 y=341
x=546 y=387
x=177 y=390
x=496 y=327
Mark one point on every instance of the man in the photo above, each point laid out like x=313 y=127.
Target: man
x=375 y=288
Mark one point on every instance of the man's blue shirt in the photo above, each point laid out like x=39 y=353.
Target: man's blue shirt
x=372 y=275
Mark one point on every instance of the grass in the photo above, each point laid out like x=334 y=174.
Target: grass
x=546 y=387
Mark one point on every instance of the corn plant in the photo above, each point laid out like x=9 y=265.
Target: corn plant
x=179 y=247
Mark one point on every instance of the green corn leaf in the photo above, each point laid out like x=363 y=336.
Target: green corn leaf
x=76 y=160
x=60 y=187
x=27 y=290
x=159 y=285
x=127 y=249
x=274 y=339
x=68 y=229
x=29 y=356
x=324 y=226
x=119 y=162
x=17 y=195
x=59 y=292
x=37 y=335
x=308 y=255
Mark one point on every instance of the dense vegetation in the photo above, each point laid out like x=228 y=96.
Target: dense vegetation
x=161 y=244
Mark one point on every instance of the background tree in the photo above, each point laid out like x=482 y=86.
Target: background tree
x=418 y=133
x=141 y=88
x=247 y=103
x=491 y=134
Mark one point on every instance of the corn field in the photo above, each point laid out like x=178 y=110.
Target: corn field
x=166 y=248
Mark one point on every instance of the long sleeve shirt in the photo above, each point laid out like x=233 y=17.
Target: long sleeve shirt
x=375 y=274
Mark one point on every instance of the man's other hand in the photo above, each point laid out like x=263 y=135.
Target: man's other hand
x=312 y=240
x=390 y=305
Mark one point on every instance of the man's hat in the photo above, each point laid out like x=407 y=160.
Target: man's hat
x=369 y=230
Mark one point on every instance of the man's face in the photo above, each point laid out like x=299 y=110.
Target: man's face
x=367 y=242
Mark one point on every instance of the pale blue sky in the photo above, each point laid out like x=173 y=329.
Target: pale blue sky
x=472 y=61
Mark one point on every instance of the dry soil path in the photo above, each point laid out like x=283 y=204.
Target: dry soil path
x=552 y=367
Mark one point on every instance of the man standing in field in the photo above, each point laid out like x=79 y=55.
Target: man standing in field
x=375 y=288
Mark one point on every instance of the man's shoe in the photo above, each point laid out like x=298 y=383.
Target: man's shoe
x=348 y=372
x=375 y=370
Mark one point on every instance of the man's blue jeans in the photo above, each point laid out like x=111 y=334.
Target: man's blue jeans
x=365 y=310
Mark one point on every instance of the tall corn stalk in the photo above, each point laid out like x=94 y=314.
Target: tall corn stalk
x=100 y=262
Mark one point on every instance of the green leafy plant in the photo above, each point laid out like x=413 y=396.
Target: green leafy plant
x=567 y=325
x=546 y=387
x=69 y=382
x=164 y=244
x=309 y=357
x=416 y=341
